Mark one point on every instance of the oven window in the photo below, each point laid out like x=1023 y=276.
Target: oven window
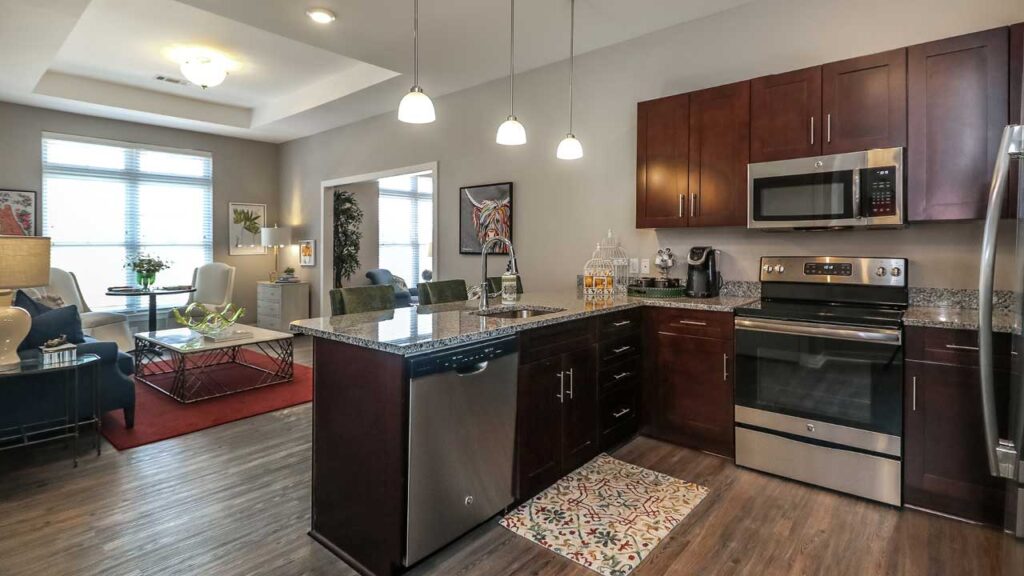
x=826 y=196
x=851 y=383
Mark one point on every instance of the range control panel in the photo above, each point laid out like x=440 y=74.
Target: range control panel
x=878 y=191
x=835 y=270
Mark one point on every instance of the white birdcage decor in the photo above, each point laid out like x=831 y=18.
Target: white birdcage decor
x=609 y=248
x=599 y=276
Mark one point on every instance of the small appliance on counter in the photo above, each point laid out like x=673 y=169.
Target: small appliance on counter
x=702 y=277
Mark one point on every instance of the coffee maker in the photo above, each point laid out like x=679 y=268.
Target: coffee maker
x=702 y=277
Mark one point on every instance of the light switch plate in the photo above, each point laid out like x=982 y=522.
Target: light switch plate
x=645 y=266
x=634 y=265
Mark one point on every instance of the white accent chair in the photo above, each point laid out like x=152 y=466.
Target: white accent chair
x=215 y=287
x=103 y=326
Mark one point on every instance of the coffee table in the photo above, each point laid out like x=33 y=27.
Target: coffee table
x=189 y=367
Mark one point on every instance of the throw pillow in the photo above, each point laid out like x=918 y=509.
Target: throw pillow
x=52 y=324
x=26 y=302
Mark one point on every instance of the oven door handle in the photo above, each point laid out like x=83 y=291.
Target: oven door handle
x=885 y=336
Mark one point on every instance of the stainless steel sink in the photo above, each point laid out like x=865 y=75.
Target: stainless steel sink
x=518 y=312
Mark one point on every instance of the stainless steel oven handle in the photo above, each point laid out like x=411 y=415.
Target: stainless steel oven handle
x=885 y=336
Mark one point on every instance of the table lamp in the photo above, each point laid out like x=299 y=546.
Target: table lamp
x=24 y=263
x=275 y=237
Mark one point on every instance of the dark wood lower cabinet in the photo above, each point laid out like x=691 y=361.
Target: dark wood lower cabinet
x=539 y=425
x=579 y=409
x=945 y=466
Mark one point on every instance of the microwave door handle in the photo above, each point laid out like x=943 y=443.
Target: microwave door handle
x=856 y=193
x=1001 y=454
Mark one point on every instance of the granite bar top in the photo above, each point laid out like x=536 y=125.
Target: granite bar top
x=414 y=330
x=957 y=318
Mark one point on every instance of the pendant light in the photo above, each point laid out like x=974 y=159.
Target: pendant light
x=570 y=148
x=416 y=107
x=511 y=132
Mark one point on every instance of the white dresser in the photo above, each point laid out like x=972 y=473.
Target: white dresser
x=277 y=305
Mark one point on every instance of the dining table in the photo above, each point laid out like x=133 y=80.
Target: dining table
x=152 y=293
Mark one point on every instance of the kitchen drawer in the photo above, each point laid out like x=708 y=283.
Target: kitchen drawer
x=618 y=323
x=548 y=341
x=626 y=370
x=949 y=346
x=616 y=349
x=702 y=323
x=619 y=415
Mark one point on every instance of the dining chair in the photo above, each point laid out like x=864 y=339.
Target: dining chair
x=442 y=291
x=362 y=299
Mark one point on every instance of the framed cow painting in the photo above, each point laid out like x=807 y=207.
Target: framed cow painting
x=18 y=213
x=484 y=212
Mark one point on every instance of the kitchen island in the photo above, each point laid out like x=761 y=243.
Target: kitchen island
x=361 y=402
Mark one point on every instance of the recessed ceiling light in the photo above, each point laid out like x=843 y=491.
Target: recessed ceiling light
x=321 y=15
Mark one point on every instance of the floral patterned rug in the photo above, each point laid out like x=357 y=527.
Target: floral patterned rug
x=608 y=515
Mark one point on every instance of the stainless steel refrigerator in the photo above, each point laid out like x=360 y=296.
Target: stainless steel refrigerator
x=1005 y=455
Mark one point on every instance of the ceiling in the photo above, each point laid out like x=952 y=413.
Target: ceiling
x=291 y=77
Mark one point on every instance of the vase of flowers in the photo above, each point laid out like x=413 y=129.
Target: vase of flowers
x=145 y=268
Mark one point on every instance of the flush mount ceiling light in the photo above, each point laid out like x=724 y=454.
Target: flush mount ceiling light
x=570 y=148
x=416 y=107
x=201 y=66
x=321 y=15
x=511 y=132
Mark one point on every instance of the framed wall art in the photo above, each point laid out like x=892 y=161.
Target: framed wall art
x=18 y=215
x=307 y=253
x=484 y=212
x=244 y=223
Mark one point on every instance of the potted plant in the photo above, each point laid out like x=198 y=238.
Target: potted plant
x=145 y=268
x=289 y=271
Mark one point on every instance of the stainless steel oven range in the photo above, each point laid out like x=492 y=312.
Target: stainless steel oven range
x=819 y=374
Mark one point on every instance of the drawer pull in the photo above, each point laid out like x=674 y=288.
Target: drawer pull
x=959 y=347
x=618 y=377
x=621 y=413
x=622 y=323
x=692 y=323
x=622 y=349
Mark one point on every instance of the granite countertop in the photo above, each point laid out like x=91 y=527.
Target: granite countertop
x=956 y=318
x=408 y=331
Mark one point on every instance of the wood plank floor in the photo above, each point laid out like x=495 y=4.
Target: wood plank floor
x=235 y=500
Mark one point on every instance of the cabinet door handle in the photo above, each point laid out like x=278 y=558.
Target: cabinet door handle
x=692 y=323
x=682 y=203
x=618 y=377
x=693 y=204
x=959 y=347
x=623 y=323
x=621 y=413
x=913 y=395
x=569 y=392
x=828 y=128
x=725 y=367
x=812 y=130
x=622 y=349
x=561 y=387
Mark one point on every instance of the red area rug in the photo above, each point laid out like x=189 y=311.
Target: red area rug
x=159 y=417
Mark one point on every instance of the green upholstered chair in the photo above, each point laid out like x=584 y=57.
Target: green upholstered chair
x=443 y=291
x=362 y=299
x=494 y=284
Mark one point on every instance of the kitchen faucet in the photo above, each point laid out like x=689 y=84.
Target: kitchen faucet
x=511 y=268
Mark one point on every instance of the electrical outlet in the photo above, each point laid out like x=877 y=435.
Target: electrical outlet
x=645 y=266
x=634 y=265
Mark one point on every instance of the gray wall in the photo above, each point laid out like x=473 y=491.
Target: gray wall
x=243 y=171
x=563 y=208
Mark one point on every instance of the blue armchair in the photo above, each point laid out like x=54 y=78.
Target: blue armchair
x=32 y=401
x=403 y=295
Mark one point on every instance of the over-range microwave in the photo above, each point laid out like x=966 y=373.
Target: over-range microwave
x=857 y=189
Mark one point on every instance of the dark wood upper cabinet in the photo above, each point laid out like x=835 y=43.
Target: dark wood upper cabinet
x=864 y=103
x=719 y=153
x=785 y=115
x=662 y=149
x=958 y=98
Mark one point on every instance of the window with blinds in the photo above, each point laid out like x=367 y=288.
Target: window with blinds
x=106 y=201
x=406 y=225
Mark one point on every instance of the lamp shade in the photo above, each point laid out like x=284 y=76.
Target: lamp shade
x=24 y=262
x=275 y=236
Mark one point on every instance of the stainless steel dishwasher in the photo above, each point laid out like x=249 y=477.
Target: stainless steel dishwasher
x=462 y=421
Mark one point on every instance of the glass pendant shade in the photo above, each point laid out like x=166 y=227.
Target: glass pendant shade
x=204 y=71
x=569 y=148
x=416 y=107
x=511 y=133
